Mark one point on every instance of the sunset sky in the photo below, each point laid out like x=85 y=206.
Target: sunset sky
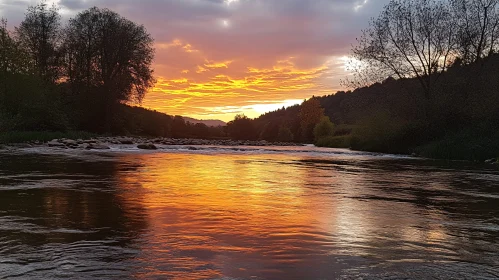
x=219 y=58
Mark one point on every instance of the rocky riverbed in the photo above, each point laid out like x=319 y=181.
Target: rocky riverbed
x=105 y=143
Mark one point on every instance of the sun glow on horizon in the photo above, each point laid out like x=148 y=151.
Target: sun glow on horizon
x=349 y=63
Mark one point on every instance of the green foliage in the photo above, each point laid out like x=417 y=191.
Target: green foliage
x=324 y=128
x=470 y=144
x=382 y=133
x=311 y=113
x=30 y=104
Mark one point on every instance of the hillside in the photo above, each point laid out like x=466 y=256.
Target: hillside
x=212 y=123
x=459 y=121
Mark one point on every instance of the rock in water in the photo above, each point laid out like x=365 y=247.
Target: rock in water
x=69 y=142
x=126 y=142
x=55 y=143
x=147 y=147
x=97 y=147
x=492 y=160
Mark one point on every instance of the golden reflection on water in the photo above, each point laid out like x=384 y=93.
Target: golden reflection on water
x=238 y=215
x=244 y=216
x=224 y=204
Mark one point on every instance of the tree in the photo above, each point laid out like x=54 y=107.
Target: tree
x=13 y=62
x=311 y=113
x=39 y=35
x=179 y=127
x=478 y=25
x=324 y=128
x=284 y=134
x=110 y=54
x=410 y=38
x=242 y=128
x=12 y=58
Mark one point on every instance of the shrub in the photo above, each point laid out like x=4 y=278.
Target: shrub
x=284 y=134
x=324 y=128
x=465 y=145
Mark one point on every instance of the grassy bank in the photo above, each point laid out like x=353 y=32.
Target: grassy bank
x=460 y=146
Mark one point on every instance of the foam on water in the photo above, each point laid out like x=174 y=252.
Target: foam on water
x=210 y=150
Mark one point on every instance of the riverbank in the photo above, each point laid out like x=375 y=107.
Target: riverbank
x=87 y=141
x=104 y=143
x=462 y=147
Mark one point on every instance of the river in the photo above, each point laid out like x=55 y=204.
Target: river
x=245 y=213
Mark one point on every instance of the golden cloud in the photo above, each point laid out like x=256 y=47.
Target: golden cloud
x=222 y=88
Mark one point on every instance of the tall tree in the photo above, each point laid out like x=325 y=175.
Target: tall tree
x=39 y=35
x=311 y=113
x=12 y=61
x=410 y=38
x=478 y=25
x=242 y=128
x=111 y=54
x=11 y=58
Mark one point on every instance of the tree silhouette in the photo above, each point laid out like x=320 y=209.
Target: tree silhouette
x=311 y=113
x=39 y=34
x=478 y=25
x=242 y=128
x=410 y=38
x=109 y=54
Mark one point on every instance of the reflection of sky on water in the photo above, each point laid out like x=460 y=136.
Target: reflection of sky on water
x=267 y=216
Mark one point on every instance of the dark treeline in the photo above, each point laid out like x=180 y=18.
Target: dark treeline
x=425 y=74
x=425 y=79
x=460 y=122
x=82 y=76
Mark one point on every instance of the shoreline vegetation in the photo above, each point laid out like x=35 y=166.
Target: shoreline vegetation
x=440 y=103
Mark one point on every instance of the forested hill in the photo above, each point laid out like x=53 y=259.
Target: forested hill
x=211 y=123
x=460 y=120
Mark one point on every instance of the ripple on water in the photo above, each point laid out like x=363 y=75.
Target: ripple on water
x=245 y=213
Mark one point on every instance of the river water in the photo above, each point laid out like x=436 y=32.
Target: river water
x=245 y=213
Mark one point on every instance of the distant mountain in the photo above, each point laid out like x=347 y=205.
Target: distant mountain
x=213 y=123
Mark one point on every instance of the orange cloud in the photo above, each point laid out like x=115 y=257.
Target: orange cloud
x=176 y=43
x=215 y=65
x=222 y=89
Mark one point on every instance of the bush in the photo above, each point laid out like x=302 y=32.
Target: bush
x=466 y=145
x=388 y=135
x=29 y=104
x=284 y=134
x=324 y=128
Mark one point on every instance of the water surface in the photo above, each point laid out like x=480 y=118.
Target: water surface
x=245 y=213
